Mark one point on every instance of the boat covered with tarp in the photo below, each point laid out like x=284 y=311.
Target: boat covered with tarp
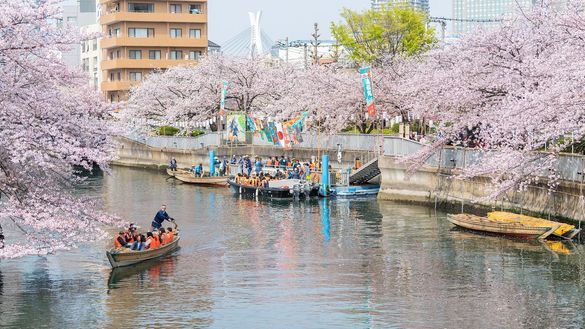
x=485 y=224
x=566 y=231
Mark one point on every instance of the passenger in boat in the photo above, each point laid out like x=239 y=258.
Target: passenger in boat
x=120 y=242
x=160 y=217
x=173 y=164
x=162 y=236
x=169 y=236
x=149 y=241
x=198 y=170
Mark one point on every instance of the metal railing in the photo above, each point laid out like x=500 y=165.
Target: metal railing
x=570 y=167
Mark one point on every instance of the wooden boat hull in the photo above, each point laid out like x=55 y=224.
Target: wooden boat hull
x=191 y=179
x=483 y=224
x=273 y=192
x=127 y=258
x=566 y=231
x=174 y=173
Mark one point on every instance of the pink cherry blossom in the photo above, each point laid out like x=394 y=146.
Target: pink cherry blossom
x=51 y=125
x=518 y=89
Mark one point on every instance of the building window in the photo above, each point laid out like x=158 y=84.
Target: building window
x=141 y=32
x=195 y=9
x=195 y=55
x=135 y=54
x=94 y=43
x=175 y=8
x=135 y=76
x=114 y=33
x=141 y=7
x=195 y=33
x=176 y=33
x=71 y=19
x=154 y=54
x=176 y=54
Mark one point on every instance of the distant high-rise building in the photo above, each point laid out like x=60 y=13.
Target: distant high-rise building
x=422 y=5
x=484 y=13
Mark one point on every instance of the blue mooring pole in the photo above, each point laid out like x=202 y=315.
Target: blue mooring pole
x=211 y=163
x=324 y=191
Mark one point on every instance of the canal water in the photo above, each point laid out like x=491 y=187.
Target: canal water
x=245 y=263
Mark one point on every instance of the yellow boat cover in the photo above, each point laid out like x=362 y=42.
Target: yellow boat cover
x=531 y=221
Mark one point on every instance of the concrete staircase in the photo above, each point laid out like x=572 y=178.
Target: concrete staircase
x=366 y=173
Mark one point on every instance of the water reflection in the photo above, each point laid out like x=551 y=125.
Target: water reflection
x=247 y=263
x=148 y=271
x=325 y=219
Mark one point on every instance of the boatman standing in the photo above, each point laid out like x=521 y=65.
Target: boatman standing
x=160 y=217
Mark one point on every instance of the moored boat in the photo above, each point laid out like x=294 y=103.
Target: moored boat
x=173 y=173
x=280 y=189
x=484 y=224
x=566 y=231
x=190 y=178
x=126 y=257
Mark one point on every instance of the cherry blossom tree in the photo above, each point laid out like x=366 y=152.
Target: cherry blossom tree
x=511 y=92
x=193 y=93
x=51 y=126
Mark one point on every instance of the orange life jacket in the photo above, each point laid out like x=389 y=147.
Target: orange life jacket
x=163 y=239
x=169 y=237
x=117 y=243
x=154 y=243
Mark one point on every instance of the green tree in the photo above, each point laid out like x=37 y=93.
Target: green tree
x=375 y=35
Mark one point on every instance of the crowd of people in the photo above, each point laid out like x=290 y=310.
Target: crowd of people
x=131 y=239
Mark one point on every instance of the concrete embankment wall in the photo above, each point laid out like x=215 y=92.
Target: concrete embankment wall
x=437 y=186
x=135 y=154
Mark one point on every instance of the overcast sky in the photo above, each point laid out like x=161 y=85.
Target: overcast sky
x=227 y=18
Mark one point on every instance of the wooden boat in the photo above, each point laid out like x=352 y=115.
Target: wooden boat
x=484 y=224
x=566 y=231
x=190 y=178
x=282 y=189
x=126 y=257
x=174 y=173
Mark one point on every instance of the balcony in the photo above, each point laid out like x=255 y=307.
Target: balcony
x=156 y=17
x=166 y=41
x=117 y=85
x=123 y=63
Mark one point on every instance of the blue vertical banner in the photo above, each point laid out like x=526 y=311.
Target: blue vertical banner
x=366 y=74
x=222 y=101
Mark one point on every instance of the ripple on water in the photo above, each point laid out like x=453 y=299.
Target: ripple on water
x=260 y=264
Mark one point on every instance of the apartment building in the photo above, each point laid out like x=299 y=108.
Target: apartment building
x=421 y=5
x=143 y=35
x=91 y=55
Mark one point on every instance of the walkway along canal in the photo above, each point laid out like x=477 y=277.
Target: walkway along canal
x=433 y=184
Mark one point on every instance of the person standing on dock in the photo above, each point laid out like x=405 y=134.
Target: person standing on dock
x=160 y=217
x=173 y=164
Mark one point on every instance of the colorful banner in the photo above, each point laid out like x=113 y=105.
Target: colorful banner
x=366 y=74
x=222 y=101
x=236 y=124
x=285 y=134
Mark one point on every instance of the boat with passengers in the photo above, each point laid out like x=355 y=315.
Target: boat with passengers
x=120 y=257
